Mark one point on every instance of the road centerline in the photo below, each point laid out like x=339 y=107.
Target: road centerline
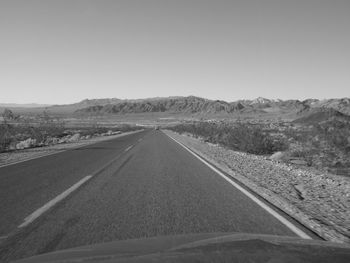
x=127 y=149
x=37 y=213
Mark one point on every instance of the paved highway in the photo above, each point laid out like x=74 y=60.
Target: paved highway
x=28 y=185
x=142 y=185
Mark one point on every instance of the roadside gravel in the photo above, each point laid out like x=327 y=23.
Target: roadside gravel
x=31 y=153
x=318 y=200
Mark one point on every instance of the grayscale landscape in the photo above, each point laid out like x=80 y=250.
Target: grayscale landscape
x=174 y=131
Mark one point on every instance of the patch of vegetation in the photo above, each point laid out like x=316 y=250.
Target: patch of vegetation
x=324 y=145
x=44 y=129
x=239 y=136
x=15 y=128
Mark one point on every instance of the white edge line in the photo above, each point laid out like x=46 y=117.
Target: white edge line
x=284 y=221
x=29 y=219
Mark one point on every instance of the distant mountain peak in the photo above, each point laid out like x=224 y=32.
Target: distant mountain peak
x=261 y=100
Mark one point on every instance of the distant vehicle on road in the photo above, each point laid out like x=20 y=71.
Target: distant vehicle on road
x=156 y=127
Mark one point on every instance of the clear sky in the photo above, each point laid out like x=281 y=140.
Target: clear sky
x=64 y=51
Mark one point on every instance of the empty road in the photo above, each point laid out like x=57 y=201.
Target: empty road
x=140 y=185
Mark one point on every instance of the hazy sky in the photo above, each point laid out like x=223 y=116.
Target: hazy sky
x=65 y=51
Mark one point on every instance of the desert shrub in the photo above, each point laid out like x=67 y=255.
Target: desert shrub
x=97 y=129
x=297 y=135
x=8 y=115
x=126 y=128
x=239 y=136
x=253 y=139
x=6 y=136
x=92 y=130
x=335 y=133
x=305 y=153
x=16 y=128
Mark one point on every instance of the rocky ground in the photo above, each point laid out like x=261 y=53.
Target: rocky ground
x=318 y=200
x=23 y=154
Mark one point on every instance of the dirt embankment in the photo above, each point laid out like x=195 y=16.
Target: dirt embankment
x=318 y=200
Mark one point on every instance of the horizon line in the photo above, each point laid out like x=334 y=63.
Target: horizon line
x=158 y=97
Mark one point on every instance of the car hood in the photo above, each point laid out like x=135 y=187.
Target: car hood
x=210 y=247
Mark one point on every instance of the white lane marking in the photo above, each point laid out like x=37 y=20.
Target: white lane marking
x=284 y=221
x=29 y=219
x=140 y=139
x=127 y=149
x=3 y=237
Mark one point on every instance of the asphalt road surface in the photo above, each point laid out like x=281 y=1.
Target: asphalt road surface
x=142 y=185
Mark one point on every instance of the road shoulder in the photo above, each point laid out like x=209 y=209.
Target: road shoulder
x=276 y=183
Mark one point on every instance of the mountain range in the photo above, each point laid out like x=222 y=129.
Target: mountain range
x=201 y=106
x=192 y=105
